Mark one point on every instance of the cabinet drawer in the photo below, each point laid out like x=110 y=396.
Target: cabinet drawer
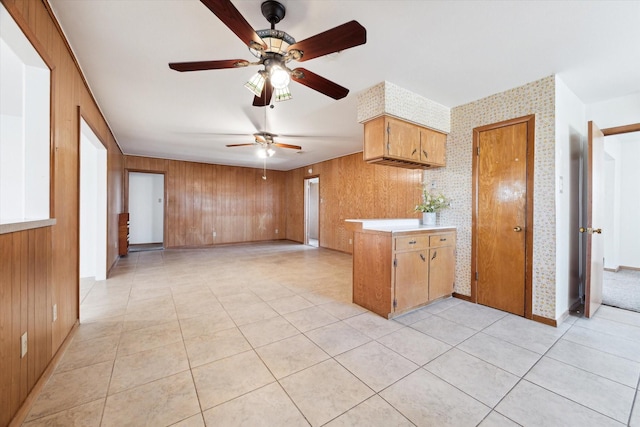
x=446 y=239
x=411 y=242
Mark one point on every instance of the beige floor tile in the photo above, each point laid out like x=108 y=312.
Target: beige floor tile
x=193 y=421
x=310 y=318
x=510 y=357
x=266 y=406
x=634 y=420
x=145 y=318
x=89 y=352
x=146 y=366
x=530 y=405
x=89 y=383
x=187 y=310
x=139 y=294
x=270 y=292
x=373 y=412
x=376 y=365
x=337 y=338
x=619 y=315
x=604 y=342
x=441 y=305
x=226 y=379
x=291 y=355
x=242 y=299
x=611 y=327
x=474 y=316
x=87 y=415
x=206 y=324
x=372 y=325
x=477 y=378
x=494 y=419
x=597 y=362
x=268 y=331
x=161 y=402
x=150 y=337
x=443 y=329
x=600 y=394
x=289 y=304
x=99 y=328
x=342 y=310
x=325 y=391
x=525 y=333
x=427 y=400
x=215 y=346
x=413 y=316
x=414 y=345
x=251 y=313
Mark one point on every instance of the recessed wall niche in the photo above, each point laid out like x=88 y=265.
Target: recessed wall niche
x=25 y=104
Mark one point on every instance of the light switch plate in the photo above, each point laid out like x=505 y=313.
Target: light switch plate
x=23 y=345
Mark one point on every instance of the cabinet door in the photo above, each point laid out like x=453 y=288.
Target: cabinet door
x=441 y=271
x=403 y=140
x=433 y=147
x=411 y=279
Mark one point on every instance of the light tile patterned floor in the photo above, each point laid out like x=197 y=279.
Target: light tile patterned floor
x=265 y=335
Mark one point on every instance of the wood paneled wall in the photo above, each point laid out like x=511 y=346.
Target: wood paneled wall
x=234 y=202
x=48 y=258
x=351 y=188
x=25 y=298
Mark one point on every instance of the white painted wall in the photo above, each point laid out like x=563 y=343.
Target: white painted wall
x=146 y=207
x=93 y=205
x=571 y=130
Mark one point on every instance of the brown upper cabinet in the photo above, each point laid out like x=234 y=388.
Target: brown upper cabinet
x=395 y=142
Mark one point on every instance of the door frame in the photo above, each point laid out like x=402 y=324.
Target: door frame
x=164 y=191
x=528 y=226
x=307 y=181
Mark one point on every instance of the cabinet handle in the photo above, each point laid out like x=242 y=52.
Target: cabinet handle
x=443 y=239
x=422 y=257
x=435 y=254
x=425 y=153
x=414 y=151
x=413 y=242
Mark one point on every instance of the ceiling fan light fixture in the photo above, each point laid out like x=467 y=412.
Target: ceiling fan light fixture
x=282 y=94
x=264 y=152
x=256 y=83
x=279 y=77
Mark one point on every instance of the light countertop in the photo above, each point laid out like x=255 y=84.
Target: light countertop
x=393 y=225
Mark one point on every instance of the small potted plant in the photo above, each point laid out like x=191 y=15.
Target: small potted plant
x=431 y=204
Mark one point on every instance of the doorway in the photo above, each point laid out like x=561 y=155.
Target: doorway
x=146 y=211
x=312 y=211
x=502 y=237
x=93 y=206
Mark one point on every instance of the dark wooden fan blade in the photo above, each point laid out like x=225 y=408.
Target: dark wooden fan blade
x=229 y=15
x=319 y=83
x=265 y=98
x=208 y=65
x=239 y=145
x=279 y=144
x=336 y=39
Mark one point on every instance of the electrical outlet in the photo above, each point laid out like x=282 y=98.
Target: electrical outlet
x=434 y=185
x=351 y=241
x=23 y=345
x=214 y=234
x=55 y=312
x=276 y=231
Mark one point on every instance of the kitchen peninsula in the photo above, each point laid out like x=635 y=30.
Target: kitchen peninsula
x=400 y=265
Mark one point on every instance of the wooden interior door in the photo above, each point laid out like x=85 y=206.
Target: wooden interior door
x=595 y=217
x=501 y=217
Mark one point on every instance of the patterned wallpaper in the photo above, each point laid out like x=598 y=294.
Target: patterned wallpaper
x=387 y=98
x=455 y=180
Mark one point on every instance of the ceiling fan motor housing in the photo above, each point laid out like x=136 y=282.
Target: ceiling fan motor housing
x=273 y=11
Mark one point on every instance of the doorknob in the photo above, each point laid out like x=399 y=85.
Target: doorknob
x=591 y=230
x=517 y=229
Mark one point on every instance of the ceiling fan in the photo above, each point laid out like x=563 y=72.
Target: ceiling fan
x=275 y=49
x=266 y=142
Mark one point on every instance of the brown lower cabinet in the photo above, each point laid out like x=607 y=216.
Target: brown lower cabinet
x=395 y=272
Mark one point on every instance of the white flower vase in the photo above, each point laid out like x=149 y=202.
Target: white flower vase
x=428 y=218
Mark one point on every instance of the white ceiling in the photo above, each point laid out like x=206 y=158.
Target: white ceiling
x=452 y=52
